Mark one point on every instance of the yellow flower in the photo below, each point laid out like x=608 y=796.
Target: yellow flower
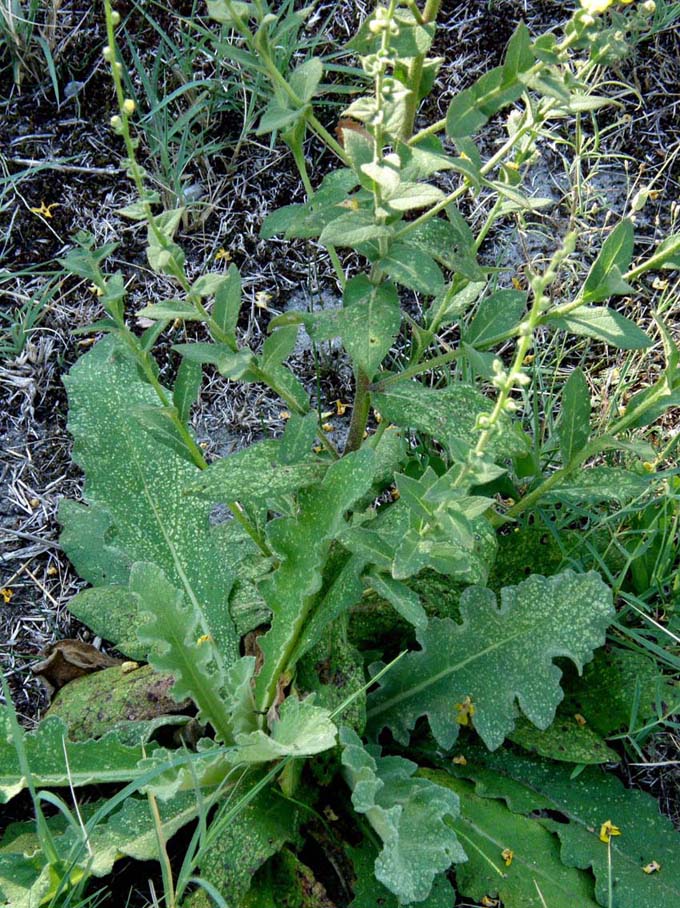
x=262 y=299
x=95 y=290
x=652 y=867
x=507 y=854
x=204 y=638
x=607 y=831
x=222 y=255
x=44 y=210
x=459 y=760
x=595 y=7
x=129 y=106
x=465 y=711
x=340 y=407
x=6 y=595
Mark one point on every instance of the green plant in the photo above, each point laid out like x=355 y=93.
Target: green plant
x=381 y=566
x=27 y=37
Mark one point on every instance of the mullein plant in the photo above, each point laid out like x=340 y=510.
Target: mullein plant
x=368 y=660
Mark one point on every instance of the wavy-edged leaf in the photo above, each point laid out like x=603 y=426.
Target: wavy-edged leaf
x=256 y=833
x=301 y=543
x=410 y=815
x=182 y=644
x=368 y=891
x=532 y=876
x=478 y=669
x=567 y=739
x=301 y=729
x=622 y=689
x=136 y=508
x=56 y=761
x=530 y=785
x=27 y=880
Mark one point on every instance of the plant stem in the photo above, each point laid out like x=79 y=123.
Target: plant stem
x=360 y=410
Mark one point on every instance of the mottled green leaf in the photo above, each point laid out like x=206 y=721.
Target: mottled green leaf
x=353 y=228
x=533 y=875
x=257 y=832
x=446 y=414
x=497 y=314
x=370 y=322
x=410 y=815
x=301 y=544
x=574 y=426
x=183 y=643
x=187 y=388
x=300 y=729
x=605 y=325
x=529 y=784
x=598 y=484
x=494 y=658
x=239 y=477
x=621 y=689
x=368 y=891
x=134 y=491
x=413 y=268
x=56 y=761
x=566 y=739
x=613 y=260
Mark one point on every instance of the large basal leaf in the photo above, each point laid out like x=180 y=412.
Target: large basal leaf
x=621 y=689
x=478 y=669
x=56 y=761
x=27 y=880
x=301 y=544
x=181 y=643
x=410 y=815
x=446 y=414
x=256 y=833
x=568 y=739
x=529 y=784
x=531 y=875
x=137 y=510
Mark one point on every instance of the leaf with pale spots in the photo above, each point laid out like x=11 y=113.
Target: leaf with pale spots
x=410 y=815
x=136 y=509
x=495 y=657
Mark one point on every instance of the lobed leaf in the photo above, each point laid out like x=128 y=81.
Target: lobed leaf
x=532 y=876
x=410 y=815
x=532 y=786
x=477 y=669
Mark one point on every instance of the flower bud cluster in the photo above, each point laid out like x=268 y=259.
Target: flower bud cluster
x=383 y=22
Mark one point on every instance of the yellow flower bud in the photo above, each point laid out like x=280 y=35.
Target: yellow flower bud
x=115 y=17
x=129 y=106
x=107 y=53
x=116 y=122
